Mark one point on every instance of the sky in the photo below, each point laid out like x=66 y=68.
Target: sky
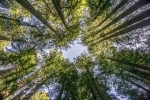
x=74 y=51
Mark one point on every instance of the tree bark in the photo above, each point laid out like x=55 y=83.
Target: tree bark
x=26 y=4
x=140 y=74
x=136 y=6
x=131 y=64
x=99 y=90
x=18 y=96
x=137 y=18
x=6 y=70
x=101 y=9
x=141 y=24
x=59 y=11
x=147 y=90
x=33 y=91
x=123 y=2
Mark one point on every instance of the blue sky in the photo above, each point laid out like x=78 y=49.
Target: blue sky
x=74 y=51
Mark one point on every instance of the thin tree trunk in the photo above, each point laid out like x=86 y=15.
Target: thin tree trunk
x=6 y=70
x=33 y=91
x=136 y=6
x=92 y=90
x=123 y=2
x=99 y=90
x=140 y=73
x=131 y=64
x=93 y=94
x=19 y=22
x=18 y=96
x=137 y=18
x=141 y=24
x=26 y=4
x=101 y=9
x=147 y=90
x=147 y=82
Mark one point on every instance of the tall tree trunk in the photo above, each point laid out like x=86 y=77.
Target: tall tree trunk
x=26 y=4
x=141 y=24
x=18 y=96
x=147 y=90
x=99 y=90
x=137 y=18
x=32 y=92
x=59 y=11
x=123 y=2
x=147 y=82
x=6 y=70
x=140 y=74
x=19 y=22
x=101 y=9
x=133 y=8
x=131 y=64
x=92 y=89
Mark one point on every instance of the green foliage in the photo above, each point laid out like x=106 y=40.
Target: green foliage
x=33 y=33
x=40 y=96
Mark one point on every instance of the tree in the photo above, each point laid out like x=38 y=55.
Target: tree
x=33 y=34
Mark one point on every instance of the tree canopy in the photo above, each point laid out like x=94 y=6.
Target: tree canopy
x=33 y=34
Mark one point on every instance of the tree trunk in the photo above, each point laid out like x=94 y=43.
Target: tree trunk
x=18 y=96
x=123 y=2
x=131 y=64
x=147 y=82
x=59 y=11
x=26 y=4
x=141 y=24
x=32 y=92
x=140 y=74
x=137 y=18
x=147 y=90
x=92 y=89
x=6 y=70
x=99 y=90
x=136 y=6
x=101 y=9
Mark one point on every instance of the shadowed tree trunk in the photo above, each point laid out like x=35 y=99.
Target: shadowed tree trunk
x=147 y=82
x=131 y=64
x=59 y=11
x=141 y=24
x=137 y=18
x=99 y=90
x=140 y=73
x=92 y=90
x=26 y=4
x=123 y=2
x=147 y=90
x=6 y=70
x=133 y=8
x=101 y=9
x=18 y=96
x=32 y=92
